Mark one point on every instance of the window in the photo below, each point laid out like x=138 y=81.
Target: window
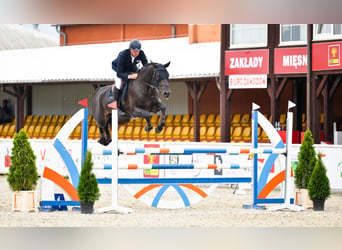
x=327 y=31
x=248 y=35
x=293 y=34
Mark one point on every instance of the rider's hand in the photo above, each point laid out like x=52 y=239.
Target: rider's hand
x=133 y=76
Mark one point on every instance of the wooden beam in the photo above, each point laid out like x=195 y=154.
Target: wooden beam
x=321 y=85
x=281 y=87
x=334 y=87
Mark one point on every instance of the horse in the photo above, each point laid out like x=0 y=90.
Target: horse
x=140 y=99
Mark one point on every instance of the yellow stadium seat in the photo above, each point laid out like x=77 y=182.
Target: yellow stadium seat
x=50 y=131
x=263 y=136
x=218 y=134
x=203 y=119
x=56 y=130
x=136 y=133
x=186 y=120
x=30 y=130
x=43 y=131
x=246 y=120
x=77 y=132
x=28 y=119
x=191 y=134
x=1 y=128
x=67 y=117
x=185 y=133
x=210 y=122
x=152 y=135
x=176 y=136
x=210 y=135
x=60 y=120
x=94 y=134
x=236 y=118
x=168 y=136
x=128 y=132
x=154 y=120
x=121 y=132
x=237 y=134
x=5 y=130
x=35 y=119
x=138 y=121
x=48 y=119
x=282 y=120
x=192 y=120
x=90 y=119
x=36 y=131
x=203 y=133
x=169 y=120
x=11 y=131
x=41 y=120
x=177 y=121
x=218 y=120
x=144 y=135
x=246 y=134
x=54 y=119
x=160 y=136
x=303 y=122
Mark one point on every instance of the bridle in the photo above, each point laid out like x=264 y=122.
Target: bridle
x=155 y=84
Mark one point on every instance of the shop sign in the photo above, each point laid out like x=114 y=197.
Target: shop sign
x=246 y=62
x=326 y=56
x=290 y=60
x=247 y=81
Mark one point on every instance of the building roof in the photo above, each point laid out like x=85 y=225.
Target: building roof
x=93 y=62
x=14 y=36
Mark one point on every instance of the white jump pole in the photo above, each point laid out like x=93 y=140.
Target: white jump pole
x=115 y=207
x=287 y=204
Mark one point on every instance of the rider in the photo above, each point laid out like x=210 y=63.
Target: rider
x=126 y=66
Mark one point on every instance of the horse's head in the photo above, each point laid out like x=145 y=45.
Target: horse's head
x=159 y=77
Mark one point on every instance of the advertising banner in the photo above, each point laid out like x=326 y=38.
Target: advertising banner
x=247 y=62
x=247 y=81
x=326 y=56
x=290 y=60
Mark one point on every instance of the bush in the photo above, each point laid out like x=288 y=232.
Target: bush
x=23 y=174
x=306 y=161
x=319 y=186
x=88 y=190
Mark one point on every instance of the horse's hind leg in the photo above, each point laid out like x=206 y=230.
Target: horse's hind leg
x=161 y=124
x=106 y=130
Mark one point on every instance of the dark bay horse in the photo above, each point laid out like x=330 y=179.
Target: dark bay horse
x=141 y=101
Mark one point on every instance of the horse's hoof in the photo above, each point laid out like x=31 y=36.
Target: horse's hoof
x=159 y=130
x=102 y=141
x=148 y=129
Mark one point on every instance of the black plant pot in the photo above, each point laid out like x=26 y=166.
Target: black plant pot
x=318 y=205
x=87 y=207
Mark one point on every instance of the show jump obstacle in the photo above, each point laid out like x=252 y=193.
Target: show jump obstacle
x=262 y=183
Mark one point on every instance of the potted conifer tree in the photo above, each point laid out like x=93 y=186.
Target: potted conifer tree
x=23 y=174
x=306 y=163
x=319 y=186
x=88 y=190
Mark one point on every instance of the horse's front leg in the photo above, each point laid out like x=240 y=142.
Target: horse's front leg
x=146 y=115
x=161 y=124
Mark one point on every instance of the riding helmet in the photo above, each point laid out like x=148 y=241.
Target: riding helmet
x=135 y=45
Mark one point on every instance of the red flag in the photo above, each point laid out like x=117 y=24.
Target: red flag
x=84 y=103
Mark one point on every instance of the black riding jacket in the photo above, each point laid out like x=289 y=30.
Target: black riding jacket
x=123 y=65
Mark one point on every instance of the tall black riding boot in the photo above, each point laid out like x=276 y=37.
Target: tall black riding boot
x=113 y=102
